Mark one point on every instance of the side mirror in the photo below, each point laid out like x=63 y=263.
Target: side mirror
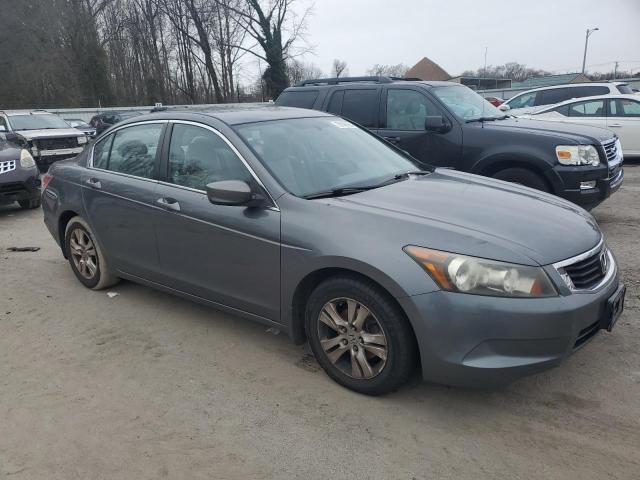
x=504 y=107
x=3 y=128
x=436 y=123
x=233 y=192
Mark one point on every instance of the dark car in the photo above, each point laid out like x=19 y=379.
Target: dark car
x=495 y=101
x=103 y=121
x=19 y=176
x=449 y=125
x=310 y=224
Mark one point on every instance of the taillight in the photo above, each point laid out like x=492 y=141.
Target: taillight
x=46 y=180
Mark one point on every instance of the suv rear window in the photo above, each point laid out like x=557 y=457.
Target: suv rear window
x=298 y=98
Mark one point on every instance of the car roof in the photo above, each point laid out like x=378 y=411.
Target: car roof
x=10 y=113
x=628 y=96
x=572 y=85
x=355 y=83
x=235 y=114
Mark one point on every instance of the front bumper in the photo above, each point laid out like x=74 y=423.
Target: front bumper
x=19 y=184
x=45 y=158
x=568 y=180
x=484 y=342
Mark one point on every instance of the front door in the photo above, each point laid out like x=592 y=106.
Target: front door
x=404 y=114
x=624 y=119
x=118 y=192
x=226 y=254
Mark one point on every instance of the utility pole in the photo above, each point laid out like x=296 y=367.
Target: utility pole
x=615 y=70
x=586 y=43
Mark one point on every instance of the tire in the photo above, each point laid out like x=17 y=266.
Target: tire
x=524 y=177
x=390 y=347
x=90 y=269
x=30 y=203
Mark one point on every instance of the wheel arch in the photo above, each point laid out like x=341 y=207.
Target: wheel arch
x=63 y=221
x=491 y=165
x=312 y=280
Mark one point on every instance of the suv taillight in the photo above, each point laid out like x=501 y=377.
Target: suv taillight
x=46 y=180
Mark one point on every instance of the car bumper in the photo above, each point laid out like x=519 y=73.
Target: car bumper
x=19 y=184
x=569 y=180
x=45 y=158
x=485 y=342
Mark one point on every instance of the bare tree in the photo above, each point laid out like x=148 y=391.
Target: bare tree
x=339 y=67
x=379 y=70
x=298 y=71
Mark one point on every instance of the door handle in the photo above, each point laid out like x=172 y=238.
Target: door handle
x=94 y=183
x=616 y=125
x=392 y=139
x=169 y=204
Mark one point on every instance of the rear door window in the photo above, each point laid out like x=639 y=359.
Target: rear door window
x=298 y=98
x=588 y=91
x=553 y=95
x=590 y=108
x=134 y=150
x=361 y=106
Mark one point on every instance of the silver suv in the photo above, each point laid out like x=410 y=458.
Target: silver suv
x=47 y=137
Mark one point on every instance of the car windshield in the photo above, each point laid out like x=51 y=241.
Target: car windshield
x=312 y=155
x=78 y=123
x=467 y=104
x=37 y=121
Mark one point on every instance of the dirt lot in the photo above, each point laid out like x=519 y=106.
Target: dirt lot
x=145 y=385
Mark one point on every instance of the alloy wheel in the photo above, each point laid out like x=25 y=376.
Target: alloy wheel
x=352 y=338
x=84 y=254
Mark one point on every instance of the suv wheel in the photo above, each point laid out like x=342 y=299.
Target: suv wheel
x=524 y=177
x=30 y=203
x=359 y=336
x=85 y=256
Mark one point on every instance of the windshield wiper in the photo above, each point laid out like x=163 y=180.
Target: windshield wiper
x=337 y=192
x=340 y=191
x=486 y=119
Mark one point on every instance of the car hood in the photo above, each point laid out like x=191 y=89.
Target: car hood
x=468 y=214
x=569 y=131
x=9 y=151
x=50 y=133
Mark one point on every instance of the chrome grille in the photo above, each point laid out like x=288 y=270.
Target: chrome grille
x=7 y=166
x=610 y=149
x=587 y=273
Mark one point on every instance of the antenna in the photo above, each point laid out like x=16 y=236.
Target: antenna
x=484 y=72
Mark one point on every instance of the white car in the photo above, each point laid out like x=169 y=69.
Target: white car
x=619 y=113
x=533 y=100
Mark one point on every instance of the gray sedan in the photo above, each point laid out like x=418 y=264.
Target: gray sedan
x=308 y=223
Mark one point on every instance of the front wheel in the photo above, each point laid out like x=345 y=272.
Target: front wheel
x=359 y=336
x=524 y=177
x=85 y=256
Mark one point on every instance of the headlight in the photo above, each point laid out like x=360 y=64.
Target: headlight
x=577 y=155
x=26 y=160
x=82 y=140
x=479 y=276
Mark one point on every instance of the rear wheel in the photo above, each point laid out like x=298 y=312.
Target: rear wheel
x=30 y=203
x=524 y=177
x=359 y=336
x=85 y=256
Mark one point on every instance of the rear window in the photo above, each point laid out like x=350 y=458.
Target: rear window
x=298 y=98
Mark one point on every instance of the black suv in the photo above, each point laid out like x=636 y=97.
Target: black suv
x=449 y=125
x=105 y=120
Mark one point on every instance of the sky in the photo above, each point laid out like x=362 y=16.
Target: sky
x=546 y=34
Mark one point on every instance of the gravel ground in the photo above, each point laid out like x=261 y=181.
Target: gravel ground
x=145 y=385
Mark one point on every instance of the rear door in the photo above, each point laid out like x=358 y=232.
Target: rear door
x=624 y=119
x=118 y=192
x=226 y=254
x=404 y=111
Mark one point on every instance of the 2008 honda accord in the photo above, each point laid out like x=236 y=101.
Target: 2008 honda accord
x=306 y=222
